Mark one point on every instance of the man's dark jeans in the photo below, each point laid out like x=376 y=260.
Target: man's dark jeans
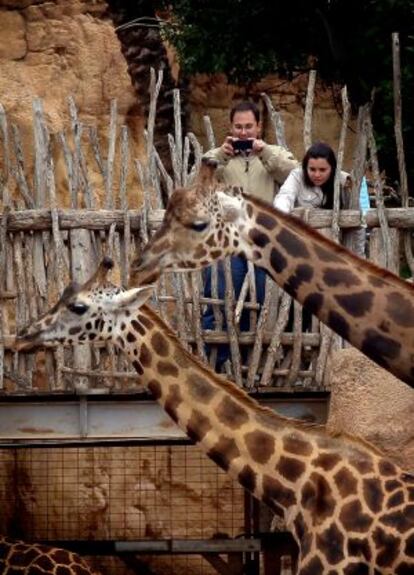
x=239 y=271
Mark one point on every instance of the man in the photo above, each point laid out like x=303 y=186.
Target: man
x=245 y=160
x=259 y=170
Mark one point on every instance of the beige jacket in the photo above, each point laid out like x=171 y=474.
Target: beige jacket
x=258 y=174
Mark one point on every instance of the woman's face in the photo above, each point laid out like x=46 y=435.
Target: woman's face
x=319 y=171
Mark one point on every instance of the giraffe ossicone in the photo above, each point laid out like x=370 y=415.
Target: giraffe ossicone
x=350 y=510
x=368 y=306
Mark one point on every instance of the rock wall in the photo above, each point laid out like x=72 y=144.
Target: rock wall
x=369 y=402
x=52 y=50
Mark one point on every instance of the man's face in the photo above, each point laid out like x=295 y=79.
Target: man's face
x=244 y=126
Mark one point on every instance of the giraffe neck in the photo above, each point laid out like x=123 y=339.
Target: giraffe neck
x=268 y=454
x=371 y=308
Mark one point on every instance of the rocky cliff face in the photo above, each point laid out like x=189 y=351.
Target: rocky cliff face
x=52 y=50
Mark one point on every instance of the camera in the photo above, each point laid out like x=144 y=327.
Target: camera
x=242 y=145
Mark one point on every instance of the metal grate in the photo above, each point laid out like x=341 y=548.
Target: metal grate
x=118 y=493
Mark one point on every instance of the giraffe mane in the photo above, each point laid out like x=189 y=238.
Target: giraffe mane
x=251 y=403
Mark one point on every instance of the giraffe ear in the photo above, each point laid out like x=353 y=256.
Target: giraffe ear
x=135 y=297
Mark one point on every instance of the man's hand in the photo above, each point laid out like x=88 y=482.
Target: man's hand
x=227 y=147
x=258 y=146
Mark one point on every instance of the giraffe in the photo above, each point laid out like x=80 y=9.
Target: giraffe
x=350 y=510
x=368 y=306
x=37 y=559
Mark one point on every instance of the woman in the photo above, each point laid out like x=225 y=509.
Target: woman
x=312 y=186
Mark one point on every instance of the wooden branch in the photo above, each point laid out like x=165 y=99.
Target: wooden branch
x=307 y=122
x=276 y=120
x=382 y=215
x=408 y=246
x=41 y=219
x=209 y=132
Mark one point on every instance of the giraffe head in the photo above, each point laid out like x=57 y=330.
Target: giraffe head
x=84 y=312
x=202 y=223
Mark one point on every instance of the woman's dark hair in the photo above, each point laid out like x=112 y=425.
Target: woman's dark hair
x=321 y=150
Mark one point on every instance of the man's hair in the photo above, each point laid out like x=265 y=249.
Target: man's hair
x=245 y=107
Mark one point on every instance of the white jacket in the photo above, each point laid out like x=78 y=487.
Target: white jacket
x=295 y=193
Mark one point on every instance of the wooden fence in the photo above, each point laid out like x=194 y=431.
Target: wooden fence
x=44 y=244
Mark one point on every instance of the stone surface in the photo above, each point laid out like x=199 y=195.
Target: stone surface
x=369 y=402
x=53 y=50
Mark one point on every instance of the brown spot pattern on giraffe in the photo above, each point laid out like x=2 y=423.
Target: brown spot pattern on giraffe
x=224 y=452
x=145 y=356
x=400 y=310
x=259 y=238
x=296 y=444
x=373 y=494
x=138 y=327
x=359 y=548
x=173 y=400
x=261 y=445
x=353 y=518
x=303 y=273
x=395 y=500
x=131 y=337
x=248 y=478
x=317 y=497
x=277 y=261
x=198 y=425
x=231 y=414
x=266 y=221
x=290 y=468
x=338 y=323
x=401 y=520
x=326 y=461
x=45 y=562
x=380 y=347
x=362 y=464
x=313 y=567
x=160 y=344
x=326 y=256
x=167 y=368
x=146 y=322
x=331 y=544
x=293 y=244
x=334 y=277
x=356 y=304
x=346 y=482
x=138 y=367
x=275 y=494
x=199 y=387
x=155 y=388
x=388 y=546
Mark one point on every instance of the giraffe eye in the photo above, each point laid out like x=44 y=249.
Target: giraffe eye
x=199 y=226
x=78 y=308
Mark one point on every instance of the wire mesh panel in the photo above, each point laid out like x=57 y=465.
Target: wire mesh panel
x=120 y=493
